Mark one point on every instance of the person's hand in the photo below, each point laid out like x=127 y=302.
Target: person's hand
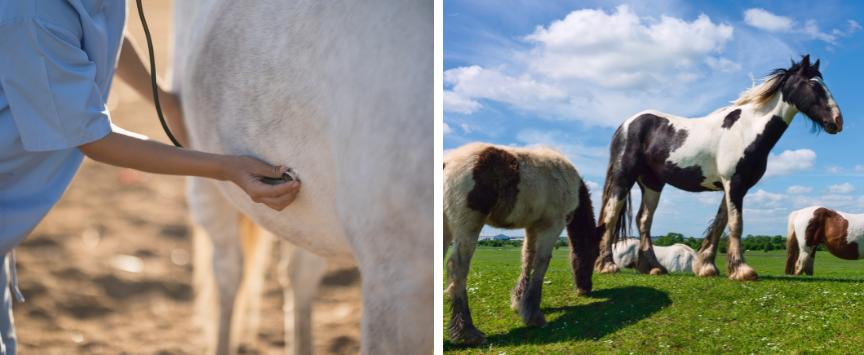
x=246 y=172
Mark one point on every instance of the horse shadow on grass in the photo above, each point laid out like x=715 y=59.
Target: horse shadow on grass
x=620 y=307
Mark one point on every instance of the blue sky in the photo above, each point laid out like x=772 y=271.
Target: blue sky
x=566 y=74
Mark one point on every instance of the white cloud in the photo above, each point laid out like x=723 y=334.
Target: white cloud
x=790 y=161
x=466 y=128
x=835 y=169
x=858 y=168
x=601 y=67
x=454 y=102
x=760 y=18
x=447 y=129
x=617 y=49
x=843 y=188
x=592 y=185
x=798 y=189
x=764 y=198
x=763 y=19
x=589 y=160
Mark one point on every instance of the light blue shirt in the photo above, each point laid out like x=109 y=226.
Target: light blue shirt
x=57 y=59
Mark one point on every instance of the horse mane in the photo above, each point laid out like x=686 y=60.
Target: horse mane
x=760 y=94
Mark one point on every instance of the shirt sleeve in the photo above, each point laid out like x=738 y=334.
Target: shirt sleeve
x=50 y=85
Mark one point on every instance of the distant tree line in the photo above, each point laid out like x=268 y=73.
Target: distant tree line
x=750 y=242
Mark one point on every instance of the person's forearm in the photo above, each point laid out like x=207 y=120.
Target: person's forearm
x=120 y=150
x=131 y=69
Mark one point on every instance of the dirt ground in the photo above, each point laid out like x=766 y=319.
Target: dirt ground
x=109 y=270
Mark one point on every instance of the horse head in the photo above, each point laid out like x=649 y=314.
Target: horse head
x=802 y=86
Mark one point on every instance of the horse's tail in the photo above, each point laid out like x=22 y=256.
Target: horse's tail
x=584 y=241
x=791 y=245
x=625 y=216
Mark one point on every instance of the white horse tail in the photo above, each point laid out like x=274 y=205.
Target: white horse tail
x=791 y=244
x=584 y=241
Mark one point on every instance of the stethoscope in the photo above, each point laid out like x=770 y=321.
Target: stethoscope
x=288 y=176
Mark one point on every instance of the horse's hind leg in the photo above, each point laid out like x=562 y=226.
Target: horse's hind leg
x=529 y=249
x=302 y=272
x=611 y=218
x=704 y=263
x=221 y=222
x=544 y=236
x=646 y=262
x=461 y=328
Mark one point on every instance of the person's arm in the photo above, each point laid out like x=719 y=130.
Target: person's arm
x=132 y=70
x=125 y=151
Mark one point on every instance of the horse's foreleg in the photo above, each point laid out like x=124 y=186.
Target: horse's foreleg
x=302 y=273
x=737 y=268
x=704 y=263
x=547 y=235
x=646 y=261
x=529 y=248
x=221 y=222
x=804 y=265
x=461 y=328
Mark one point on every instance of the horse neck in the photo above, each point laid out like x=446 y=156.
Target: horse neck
x=776 y=106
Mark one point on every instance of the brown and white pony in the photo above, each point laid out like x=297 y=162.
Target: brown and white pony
x=842 y=234
x=533 y=188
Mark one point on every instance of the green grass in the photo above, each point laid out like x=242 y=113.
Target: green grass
x=629 y=312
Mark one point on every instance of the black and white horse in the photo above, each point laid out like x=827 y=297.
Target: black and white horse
x=726 y=150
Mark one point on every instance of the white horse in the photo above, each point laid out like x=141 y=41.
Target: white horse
x=842 y=234
x=341 y=91
x=675 y=258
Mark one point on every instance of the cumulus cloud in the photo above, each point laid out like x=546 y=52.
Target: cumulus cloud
x=843 y=188
x=798 y=189
x=790 y=161
x=615 y=49
x=761 y=18
x=447 y=129
x=589 y=160
x=601 y=67
x=764 y=198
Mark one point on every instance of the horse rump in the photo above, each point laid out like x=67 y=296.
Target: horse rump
x=584 y=242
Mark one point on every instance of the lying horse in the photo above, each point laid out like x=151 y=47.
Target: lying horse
x=505 y=187
x=840 y=232
x=341 y=91
x=724 y=151
x=674 y=258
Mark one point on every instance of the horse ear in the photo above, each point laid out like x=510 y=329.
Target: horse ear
x=816 y=65
x=805 y=62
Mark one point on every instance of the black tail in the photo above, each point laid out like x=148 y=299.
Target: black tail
x=584 y=242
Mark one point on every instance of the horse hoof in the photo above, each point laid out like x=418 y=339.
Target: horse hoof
x=609 y=268
x=707 y=272
x=583 y=292
x=744 y=273
x=471 y=336
x=657 y=271
x=536 y=321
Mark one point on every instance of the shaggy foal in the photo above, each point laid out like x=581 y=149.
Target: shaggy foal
x=505 y=187
x=841 y=233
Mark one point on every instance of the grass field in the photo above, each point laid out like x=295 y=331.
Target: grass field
x=633 y=313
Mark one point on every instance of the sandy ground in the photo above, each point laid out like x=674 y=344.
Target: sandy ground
x=80 y=268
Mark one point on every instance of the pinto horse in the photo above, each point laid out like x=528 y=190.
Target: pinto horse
x=842 y=234
x=727 y=150
x=505 y=187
